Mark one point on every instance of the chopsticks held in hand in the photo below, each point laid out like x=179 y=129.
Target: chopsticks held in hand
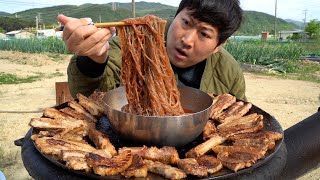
x=101 y=25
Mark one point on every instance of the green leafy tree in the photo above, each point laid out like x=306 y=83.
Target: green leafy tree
x=2 y=30
x=295 y=37
x=11 y=24
x=313 y=28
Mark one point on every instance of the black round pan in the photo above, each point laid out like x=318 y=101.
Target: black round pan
x=103 y=125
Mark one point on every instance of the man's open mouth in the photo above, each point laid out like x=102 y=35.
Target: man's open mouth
x=181 y=52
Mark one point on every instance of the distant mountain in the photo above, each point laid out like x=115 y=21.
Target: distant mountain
x=4 y=13
x=298 y=23
x=254 y=22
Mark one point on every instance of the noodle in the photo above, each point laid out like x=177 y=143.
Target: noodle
x=146 y=73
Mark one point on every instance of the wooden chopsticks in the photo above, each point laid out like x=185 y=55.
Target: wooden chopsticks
x=100 y=25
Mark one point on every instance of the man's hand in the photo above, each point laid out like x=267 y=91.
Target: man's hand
x=84 y=39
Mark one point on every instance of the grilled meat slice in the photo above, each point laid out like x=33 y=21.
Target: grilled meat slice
x=166 y=154
x=66 y=155
x=73 y=113
x=238 y=157
x=138 y=168
x=212 y=164
x=261 y=143
x=78 y=163
x=90 y=105
x=262 y=139
x=53 y=146
x=202 y=148
x=134 y=150
x=245 y=124
x=237 y=110
x=165 y=170
x=50 y=132
x=208 y=130
x=236 y=166
x=259 y=153
x=230 y=110
x=56 y=114
x=270 y=135
x=221 y=102
x=109 y=166
x=243 y=120
x=191 y=166
x=77 y=107
x=76 y=159
x=48 y=123
x=101 y=141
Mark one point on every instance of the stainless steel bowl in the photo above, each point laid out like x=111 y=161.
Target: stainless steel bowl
x=159 y=130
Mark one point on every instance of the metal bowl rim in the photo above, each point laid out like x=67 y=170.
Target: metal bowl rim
x=163 y=117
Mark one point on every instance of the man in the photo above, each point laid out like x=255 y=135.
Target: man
x=193 y=41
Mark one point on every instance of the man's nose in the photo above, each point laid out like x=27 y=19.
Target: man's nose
x=188 y=39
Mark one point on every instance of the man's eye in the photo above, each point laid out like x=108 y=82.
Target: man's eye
x=185 y=21
x=205 y=34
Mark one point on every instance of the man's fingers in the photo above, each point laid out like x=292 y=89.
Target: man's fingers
x=99 y=37
x=99 y=48
x=64 y=19
x=73 y=24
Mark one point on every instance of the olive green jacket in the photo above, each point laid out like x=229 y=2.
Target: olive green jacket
x=222 y=74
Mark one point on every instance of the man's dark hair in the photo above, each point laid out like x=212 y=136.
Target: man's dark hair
x=226 y=15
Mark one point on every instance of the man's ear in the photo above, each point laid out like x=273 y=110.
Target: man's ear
x=218 y=47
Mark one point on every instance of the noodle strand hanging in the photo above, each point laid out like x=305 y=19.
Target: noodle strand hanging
x=146 y=73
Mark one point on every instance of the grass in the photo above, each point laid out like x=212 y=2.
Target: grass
x=304 y=70
x=6 y=78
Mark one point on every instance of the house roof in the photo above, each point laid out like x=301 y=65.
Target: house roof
x=13 y=32
x=293 y=31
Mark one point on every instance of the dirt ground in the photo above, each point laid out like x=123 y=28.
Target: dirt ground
x=289 y=101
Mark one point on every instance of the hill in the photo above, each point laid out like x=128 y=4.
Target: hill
x=254 y=22
x=4 y=13
x=298 y=23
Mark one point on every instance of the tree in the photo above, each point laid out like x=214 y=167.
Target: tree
x=11 y=24
x=313 y=28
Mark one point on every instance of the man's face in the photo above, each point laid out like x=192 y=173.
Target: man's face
x=190 y=41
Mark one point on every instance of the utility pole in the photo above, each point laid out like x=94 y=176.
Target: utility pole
x=100 y=18
x=305 y=18
x=37 y=23
x=275 y=20
x=39 y=18
x=133 y=9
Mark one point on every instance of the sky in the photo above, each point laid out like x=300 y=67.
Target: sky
x=286 y=9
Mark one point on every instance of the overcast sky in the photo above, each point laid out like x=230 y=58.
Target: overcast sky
x=286 y=9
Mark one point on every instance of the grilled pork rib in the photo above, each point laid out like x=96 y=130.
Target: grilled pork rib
x=90 y=105
x=202 y=148
x=208 y=130
x=212 y=164
x=138 y=168
x=238 y=157
x=166 y=154
x=77 y=107
x=191 y=166
x=48 y=123
x=109 y=166
x=221 y=102
x=101 y=141
x=165 y=170
x=237 y=110
x=53 y=146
